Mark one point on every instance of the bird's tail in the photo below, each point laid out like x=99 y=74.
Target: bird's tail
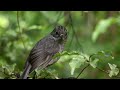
x=26 y=72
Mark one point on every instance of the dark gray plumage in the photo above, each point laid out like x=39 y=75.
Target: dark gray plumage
x=42 y=53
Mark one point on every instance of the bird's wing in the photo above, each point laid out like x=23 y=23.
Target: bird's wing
x=41 y=65
x=42 y=53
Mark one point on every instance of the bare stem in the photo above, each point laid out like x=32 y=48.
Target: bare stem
x=82 y=71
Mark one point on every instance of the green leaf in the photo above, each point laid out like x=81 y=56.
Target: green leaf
x=33 y=27
x=76 y=62
x=38 y=72
x=102 y=55
x=102 y=27
x=94 y=63
x=66 y=53
x=9 y=68
x=4 y=21
x=113 y=70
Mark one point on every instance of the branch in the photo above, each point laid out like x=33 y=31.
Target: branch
x=82 y=70
x=107 y=72
x=58 y=18
x=102 y=70
x=74 y=32
x=91 y=56
x=20 y=31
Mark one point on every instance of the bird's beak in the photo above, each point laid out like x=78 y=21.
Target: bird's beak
x=61 y=35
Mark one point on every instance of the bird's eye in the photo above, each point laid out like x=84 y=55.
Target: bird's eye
x=56 y=33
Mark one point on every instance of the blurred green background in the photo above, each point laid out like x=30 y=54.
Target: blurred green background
x=88 y=32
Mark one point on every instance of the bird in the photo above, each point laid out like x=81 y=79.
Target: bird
x=41 y=55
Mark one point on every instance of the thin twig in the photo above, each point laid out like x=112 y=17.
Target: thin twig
x=82 y=70
x=91 y=56
x=34 y=75
x=56 y=21
x=20 y=31
x=102 y=70
x=58 y=18
x=71 y=22
x=107 y=72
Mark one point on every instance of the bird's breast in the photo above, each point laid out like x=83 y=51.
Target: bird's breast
x=61 y=48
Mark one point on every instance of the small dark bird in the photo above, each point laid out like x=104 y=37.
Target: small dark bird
x=42 y=53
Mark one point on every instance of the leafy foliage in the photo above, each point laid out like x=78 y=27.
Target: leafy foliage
x=102 y=27
x=113 y=70
x=84 y=28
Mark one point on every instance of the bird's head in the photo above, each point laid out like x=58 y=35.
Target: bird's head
x=60 y=33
